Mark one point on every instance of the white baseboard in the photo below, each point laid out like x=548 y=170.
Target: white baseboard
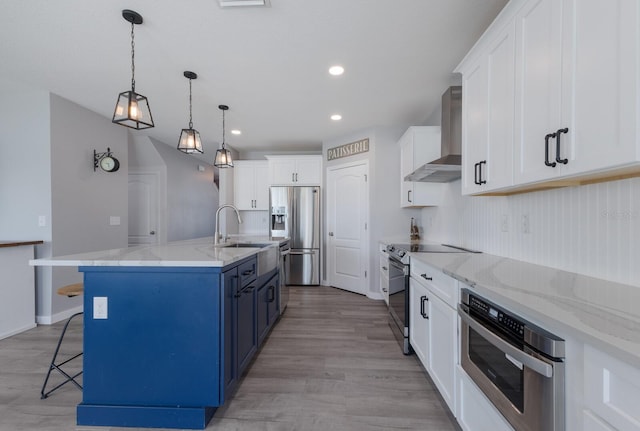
x=63 y=315
x=375 y=295
x=17 y=331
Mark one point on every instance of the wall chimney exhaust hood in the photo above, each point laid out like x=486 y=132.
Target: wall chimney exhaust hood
x=448 y=167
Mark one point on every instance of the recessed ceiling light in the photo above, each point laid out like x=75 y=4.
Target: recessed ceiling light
x=336 y=70
x=236 y=132
x=336 y=117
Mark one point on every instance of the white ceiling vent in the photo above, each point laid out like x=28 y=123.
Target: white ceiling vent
x=244 y=3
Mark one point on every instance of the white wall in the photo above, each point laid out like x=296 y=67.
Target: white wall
x=592 y=230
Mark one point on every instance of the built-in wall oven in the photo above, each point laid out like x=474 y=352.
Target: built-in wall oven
x=518 y=365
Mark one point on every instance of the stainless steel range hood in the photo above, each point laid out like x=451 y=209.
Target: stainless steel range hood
x=448 y=167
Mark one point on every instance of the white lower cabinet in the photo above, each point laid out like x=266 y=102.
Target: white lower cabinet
x=473 y=410
x=611 y=392
x=433 y=326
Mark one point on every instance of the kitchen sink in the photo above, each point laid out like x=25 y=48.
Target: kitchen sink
x=267 y=256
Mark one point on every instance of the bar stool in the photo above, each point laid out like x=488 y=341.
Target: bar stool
x=70 y=290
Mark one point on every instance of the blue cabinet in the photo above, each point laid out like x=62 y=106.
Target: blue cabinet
x=268 y=305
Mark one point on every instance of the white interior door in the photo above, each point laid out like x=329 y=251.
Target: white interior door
x=143 y=208
x=347 y=218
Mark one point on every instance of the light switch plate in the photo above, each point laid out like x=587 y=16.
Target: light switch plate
x=100 y=307
x=114 y=221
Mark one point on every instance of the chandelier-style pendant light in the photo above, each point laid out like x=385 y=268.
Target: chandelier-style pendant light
x=132 y=109
x=190 y=138
x=223 y=156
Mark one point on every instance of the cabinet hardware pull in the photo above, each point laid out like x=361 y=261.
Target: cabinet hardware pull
x=384 y=268
x=247 y=272
x=293 y=177
x=409 y=196
x=425 y=277
x=296 y=177
x=422 y=307
x=558 y=133
x=546 y=150
x=480 y=182
x=384 y=290
x=271 y=294
x=475 y=174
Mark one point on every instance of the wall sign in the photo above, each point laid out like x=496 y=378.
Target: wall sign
x=346 y=150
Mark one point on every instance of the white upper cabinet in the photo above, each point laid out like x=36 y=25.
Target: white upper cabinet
x=295 y=170
x=568 y=70
x=419 y=145
x=250 y=186
x=488 y=116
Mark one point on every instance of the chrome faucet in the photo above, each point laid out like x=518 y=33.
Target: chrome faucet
x=216 y=235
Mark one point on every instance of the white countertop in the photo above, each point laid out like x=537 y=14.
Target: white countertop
x=598 y=312
x=198 y=252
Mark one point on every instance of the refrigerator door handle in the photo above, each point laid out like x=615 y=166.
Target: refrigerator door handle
x=303 y=252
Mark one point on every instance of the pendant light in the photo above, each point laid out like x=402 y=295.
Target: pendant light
x=132 y=109
x=223 y=156
x=190 y=138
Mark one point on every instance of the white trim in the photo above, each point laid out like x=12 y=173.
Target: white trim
x=375 y=295
x=63 y=315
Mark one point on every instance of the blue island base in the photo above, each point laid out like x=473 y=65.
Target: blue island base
x=144 y=417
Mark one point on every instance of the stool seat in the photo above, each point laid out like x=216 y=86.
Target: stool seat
x=71 y=290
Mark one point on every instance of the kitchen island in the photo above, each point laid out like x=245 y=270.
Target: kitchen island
x=168 y=329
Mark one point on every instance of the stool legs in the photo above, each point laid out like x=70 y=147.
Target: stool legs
x=57 y=366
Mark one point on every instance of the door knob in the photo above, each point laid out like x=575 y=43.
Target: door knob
x=153 y=232
x=330 y=233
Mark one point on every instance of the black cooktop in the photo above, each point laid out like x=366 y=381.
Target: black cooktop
x=433 y=248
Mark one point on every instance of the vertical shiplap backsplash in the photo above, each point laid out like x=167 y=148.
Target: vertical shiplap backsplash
x=592 y=229
x=254 y=223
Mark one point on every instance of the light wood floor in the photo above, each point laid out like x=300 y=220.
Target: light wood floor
x=331 y=363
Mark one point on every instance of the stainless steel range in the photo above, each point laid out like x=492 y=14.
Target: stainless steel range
x=399 y=285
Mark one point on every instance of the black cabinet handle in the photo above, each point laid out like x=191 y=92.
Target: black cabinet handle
x=247 y=272
x=558 y=133
x=546 y=150
x=475 y=174
x=422 y=306
x=409 y=196
x=425 y=277
x=480 y=182
x=271 y=294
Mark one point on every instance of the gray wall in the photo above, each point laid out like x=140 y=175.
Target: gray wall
x=83 y=200
x=386 y=218
x=192 y=197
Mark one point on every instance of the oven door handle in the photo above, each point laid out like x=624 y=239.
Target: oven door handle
x=529 y=361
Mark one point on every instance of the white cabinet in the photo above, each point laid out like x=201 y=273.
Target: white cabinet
x=250 y=186
x=295 y=170
x=433 y=325
x=419 y=145
x=488 y=116
x=611 y=392
x=474 y=411
x=574 y=96
x=384 y=273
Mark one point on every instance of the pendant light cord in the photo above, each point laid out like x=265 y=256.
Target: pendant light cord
x=133 y=65
x=223 y=129
x=190 y=117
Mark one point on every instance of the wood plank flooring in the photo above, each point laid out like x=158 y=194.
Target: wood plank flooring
x=331 y=363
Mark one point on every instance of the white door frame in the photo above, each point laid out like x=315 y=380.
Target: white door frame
x=161 y=209
x=365 y=245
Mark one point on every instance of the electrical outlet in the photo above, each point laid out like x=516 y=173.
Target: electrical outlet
x=100 y=307
x=504 y=223
x=526 y=228
x=114 y=221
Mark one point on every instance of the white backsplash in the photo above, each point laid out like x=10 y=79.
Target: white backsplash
x=592 y=230
x=254 y=223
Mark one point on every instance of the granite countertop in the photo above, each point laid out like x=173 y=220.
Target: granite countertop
x=198 y=252
x=18 y=243
x=598 y=312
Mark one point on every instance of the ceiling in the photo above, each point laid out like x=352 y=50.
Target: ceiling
x=269 y=64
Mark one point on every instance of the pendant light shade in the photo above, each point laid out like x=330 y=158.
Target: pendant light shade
x=190 y=138
x=132 y=109
x=223 y=156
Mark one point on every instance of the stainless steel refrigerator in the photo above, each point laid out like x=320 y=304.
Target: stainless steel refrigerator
x=295 y=213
